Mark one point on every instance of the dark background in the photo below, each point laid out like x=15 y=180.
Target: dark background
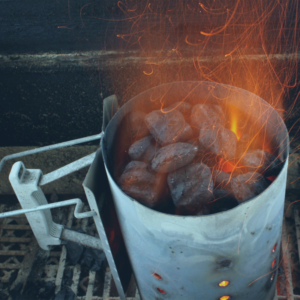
x=60 y=59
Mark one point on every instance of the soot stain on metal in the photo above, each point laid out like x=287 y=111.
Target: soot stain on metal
x=223 y=264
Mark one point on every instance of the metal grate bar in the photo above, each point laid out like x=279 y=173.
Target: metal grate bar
x=63 y=257
x=107 y=285
x=76 y=278
x=89 y=292
x=90 y=282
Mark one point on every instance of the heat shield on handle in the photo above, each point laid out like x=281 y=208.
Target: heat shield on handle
x=25 y=184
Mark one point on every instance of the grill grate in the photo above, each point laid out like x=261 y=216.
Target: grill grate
x=21 y=259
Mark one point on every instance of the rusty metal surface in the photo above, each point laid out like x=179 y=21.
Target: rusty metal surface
x=16 y=233
x=84 y=284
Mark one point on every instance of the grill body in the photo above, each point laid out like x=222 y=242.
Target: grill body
x=186 y=257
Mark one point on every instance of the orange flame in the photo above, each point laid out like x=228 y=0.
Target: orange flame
x=234 y=123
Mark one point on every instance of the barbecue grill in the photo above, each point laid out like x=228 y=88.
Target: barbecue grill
x=246 y=244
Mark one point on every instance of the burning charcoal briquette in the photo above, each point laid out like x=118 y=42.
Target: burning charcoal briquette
x=221 y=179
x=247 y=186
x=247 y=142
x=173 y=157
x=191 y=187
x=183 y=107
x=261 y=161
x=169 y=127
x=141 y=183
x=218 y=141
x=209 y=114
x=143 y=150
x=137 y=125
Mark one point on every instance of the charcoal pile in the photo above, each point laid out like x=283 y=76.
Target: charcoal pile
x=186 y=160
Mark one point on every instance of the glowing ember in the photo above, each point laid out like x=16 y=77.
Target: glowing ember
x=161 y=291
x=272 y=178
x=273 y=263
x=191 y=160
x=272 y=277
x=225 y=166
x=223 y=283
x=225 y=298
x=158 y=277
x=274 y=248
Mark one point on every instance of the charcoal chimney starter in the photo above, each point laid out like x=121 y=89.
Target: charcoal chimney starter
x=227 y=255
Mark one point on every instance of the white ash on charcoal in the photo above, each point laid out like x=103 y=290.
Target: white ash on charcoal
x=261 y=161
x=141 y=183
x=221 y=180
x=136 y=125
x=207 y=114
x=219 y=141
x=202 y=156
x=175 y=170
x=183 y=107
x=191 y=187
x=247 y=142
x=173 y=157
x=143 y=149
x=168 y=128
x=246 y=186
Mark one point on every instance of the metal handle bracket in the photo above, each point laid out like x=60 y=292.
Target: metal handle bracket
x=36 y=208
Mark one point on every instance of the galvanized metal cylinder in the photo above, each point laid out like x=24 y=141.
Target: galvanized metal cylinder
x=189 y=257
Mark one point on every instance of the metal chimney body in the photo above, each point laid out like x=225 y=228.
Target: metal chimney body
x=187 y=257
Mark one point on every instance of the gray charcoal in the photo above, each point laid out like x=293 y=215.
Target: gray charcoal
x=207 y=114
x=143 y=184
x=247 y=142
x=137 y=126
x=221 y=180
x=219 y=141
x=247 y=186
x=143 y=150
x=261 y=161
x=185 y=134
x=183 y=107
x=191 y=187
x=173 y=157
x=168 y=128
